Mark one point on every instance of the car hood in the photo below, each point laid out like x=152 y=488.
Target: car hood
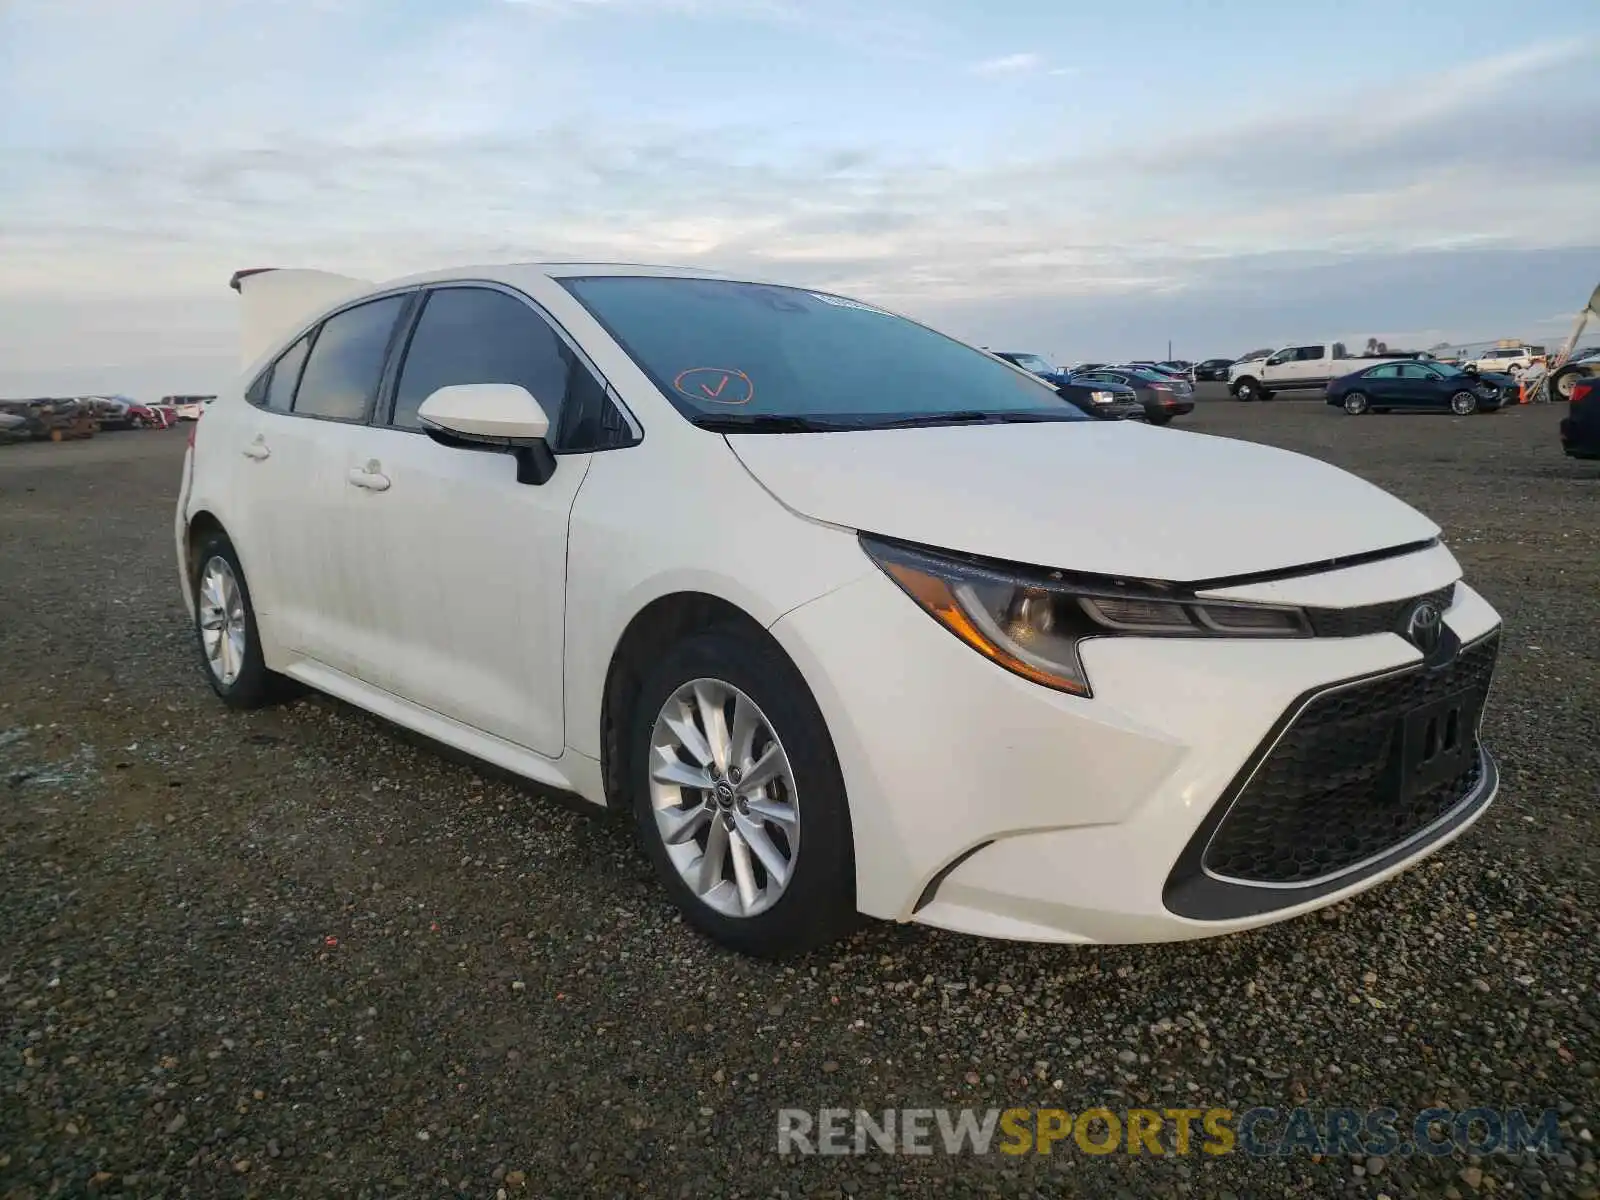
x=1107 y=497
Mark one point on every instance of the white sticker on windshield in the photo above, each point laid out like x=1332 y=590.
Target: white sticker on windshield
x=841 y=302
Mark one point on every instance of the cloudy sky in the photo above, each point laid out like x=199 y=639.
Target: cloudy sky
x=1084 y=178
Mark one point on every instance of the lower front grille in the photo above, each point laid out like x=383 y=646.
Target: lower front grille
x=1332 y=791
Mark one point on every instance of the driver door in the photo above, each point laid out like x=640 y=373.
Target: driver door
x=464 y=568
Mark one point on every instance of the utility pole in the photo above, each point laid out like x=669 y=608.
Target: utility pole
x=1169 y=349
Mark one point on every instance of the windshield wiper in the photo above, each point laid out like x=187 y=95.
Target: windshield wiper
x=764 y=423
x=975 y=417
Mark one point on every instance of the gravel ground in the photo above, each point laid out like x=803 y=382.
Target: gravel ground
x=297 y=953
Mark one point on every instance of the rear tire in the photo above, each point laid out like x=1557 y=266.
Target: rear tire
x=225 y=627
x=1564 y=381
x=726 y=672
x=1355 y=403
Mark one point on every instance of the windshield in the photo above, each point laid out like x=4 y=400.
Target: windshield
x=779 y=359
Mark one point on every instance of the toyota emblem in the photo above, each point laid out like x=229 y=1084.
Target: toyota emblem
x=1424 y=626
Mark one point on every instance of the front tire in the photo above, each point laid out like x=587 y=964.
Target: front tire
x=738 y=797
x=1247 y=389
x=1463 y=404
x=1356 y=403
x=225 y=627
x=1158 y=419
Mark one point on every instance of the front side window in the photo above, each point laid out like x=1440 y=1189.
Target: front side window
x=478 y=335
x=1415 y=371
x=341 y=377
x=781 y=359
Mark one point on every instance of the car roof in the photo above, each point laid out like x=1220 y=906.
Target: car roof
x=515 y=273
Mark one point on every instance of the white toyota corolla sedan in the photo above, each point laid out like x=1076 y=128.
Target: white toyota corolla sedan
x=853 y=617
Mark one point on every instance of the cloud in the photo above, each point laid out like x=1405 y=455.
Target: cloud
x=466 y=143
x=1009 y=64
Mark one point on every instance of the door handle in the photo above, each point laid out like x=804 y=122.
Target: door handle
x=370 y=477
x=257 y=449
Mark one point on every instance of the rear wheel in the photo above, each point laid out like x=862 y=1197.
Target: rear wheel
x=1356 y=403
x=225 y=627
x=1463 y=403
x=738 y=796
x=1564 y=381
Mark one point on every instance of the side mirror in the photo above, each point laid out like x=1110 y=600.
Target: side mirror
x=492 y=416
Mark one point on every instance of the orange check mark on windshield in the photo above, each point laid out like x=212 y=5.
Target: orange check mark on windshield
x=714 y=393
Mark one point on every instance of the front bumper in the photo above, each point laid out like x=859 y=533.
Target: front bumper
x=985 y=803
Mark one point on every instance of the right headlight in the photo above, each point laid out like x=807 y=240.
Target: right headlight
x=1032 y=622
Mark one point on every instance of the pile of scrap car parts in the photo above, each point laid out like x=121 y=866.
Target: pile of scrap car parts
x=1563 y=371
x=52 y=419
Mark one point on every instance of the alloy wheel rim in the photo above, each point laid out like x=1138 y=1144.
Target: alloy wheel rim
x=724 y=798
x=222 y=621
x=1461 y=403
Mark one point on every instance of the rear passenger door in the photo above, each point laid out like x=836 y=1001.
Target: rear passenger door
x=463 y=568
x=313 y=547
x=1382 y=386
x=1311 y=365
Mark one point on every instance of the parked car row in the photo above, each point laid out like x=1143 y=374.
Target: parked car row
x=1140 y=391
x=59 y=418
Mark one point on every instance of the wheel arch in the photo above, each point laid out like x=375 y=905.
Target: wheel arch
x=663 y=621
x=200 y=523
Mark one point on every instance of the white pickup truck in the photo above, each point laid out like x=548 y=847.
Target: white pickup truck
x=1295 y=368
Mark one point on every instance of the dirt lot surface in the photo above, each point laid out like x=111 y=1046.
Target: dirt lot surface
x=294 y=953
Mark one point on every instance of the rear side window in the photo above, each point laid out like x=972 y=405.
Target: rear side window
x=1390 y=372
x=278 y=395
x=1311 y=353
x=341 y=376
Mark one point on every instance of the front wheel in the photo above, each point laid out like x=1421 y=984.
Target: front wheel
x=1159 y=419
x=739 y=799
x=1355 y=404
x=1463 y=404
x=1246 y=389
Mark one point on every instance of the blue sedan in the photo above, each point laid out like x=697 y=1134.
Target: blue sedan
x=1428 y=386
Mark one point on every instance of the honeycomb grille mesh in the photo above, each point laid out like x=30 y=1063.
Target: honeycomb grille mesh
x=1325 y=797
